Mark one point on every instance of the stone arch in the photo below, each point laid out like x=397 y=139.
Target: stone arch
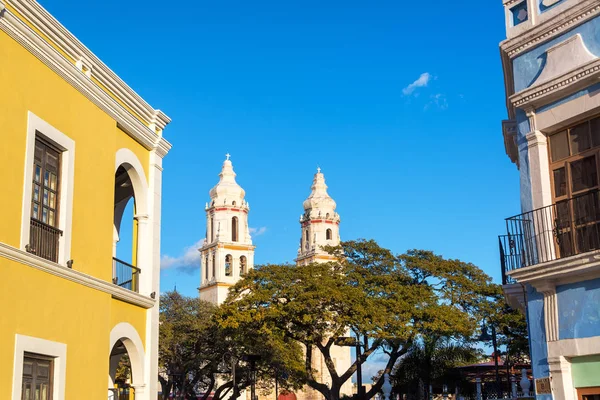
x=131 y=182
x=127 y=334
x=128 y=160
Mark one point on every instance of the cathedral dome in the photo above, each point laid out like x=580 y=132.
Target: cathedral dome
x=319 y=203
x=227 y=190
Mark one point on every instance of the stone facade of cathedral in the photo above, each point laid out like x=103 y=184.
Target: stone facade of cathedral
x=227 y=252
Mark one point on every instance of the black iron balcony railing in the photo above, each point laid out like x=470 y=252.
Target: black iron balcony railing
x=563 y=229
x=510 y=255
x=125 y=275
x=43 y=240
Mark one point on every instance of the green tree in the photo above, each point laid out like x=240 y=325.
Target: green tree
x=196 y=354
x=388 y=302
x=430 y=361
x=511 y=328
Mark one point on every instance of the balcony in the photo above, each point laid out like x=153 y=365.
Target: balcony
x=43 y=240
x=126 y=275
x=561 y=230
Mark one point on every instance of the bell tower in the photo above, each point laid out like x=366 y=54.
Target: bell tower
x=320 y=224
x=227 y=252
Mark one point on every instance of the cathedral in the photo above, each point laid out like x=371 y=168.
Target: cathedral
x=228 y=253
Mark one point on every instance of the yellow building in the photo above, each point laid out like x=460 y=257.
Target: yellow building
x=77 y=145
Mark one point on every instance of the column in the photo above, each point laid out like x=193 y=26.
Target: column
x=152 y=278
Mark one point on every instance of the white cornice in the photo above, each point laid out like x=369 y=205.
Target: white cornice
x=552 y=28
x=150 y=136
x=558 y=87
x=562 y=271
x=41 y=264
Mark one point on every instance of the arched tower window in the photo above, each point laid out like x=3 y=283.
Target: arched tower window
x=233 y=203
x=306 y=240
x=212 y=230
x=243 y=270
x=234 y=229
x=228 y=260
x=206 y=267
x=328 y=234
x=214 y=265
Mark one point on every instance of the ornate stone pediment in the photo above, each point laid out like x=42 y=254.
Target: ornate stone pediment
x=563 y=58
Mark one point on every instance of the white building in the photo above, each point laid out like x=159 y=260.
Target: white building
x=320 y=227
x=227 y=253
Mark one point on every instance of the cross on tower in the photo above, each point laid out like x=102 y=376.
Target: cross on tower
x=227 y=155
x=318 y=170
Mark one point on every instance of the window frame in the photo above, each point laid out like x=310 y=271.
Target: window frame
x=243 y=265
x=48 y=146
x=37 y=127
x=228 y=266
x=587 y=392
x=31 y=345
x=235 y=229
x=573 y=229
x=567 y=161
x=35 y=358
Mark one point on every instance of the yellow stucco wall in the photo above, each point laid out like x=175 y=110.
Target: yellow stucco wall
x=37 y=303
x=28 y=85
x=42 y=305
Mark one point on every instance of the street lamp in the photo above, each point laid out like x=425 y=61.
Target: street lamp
x=485 y=337
x=252 y=359
x=352 y=341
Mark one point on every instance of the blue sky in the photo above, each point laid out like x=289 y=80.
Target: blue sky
x=400 y=103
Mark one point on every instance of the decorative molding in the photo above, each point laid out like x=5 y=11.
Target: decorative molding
x=45 y=23
x=129 y=336
x=535 y=139
x=43 y=347
x=515 y=296
x=548 y=30
x=562 y=271
x=558 y=87
x=509 y=132
x=574 y=347
x=564 y=57
x=548 y=289
x=65 y=65
x=55 y=269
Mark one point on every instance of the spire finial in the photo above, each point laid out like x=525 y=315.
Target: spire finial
x=318 y=169
x=227 y=156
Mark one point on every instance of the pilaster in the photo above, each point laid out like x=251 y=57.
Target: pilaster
x=561 y=380
x=548 y=289
x=539 y=167
x=152 y=280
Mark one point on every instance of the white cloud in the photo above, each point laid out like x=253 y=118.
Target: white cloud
x=438 y=100
x=189 y=258
x=254 y=232
x=421 y=82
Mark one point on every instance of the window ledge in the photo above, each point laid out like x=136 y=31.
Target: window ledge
x=116 y=292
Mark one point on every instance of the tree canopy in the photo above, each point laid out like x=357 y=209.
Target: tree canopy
x=387 y=301
x=198 y=355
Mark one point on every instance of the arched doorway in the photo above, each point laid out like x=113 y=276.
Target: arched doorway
x=131 y=249
x=125 y=270
x=120 y=375
x=126 y=363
